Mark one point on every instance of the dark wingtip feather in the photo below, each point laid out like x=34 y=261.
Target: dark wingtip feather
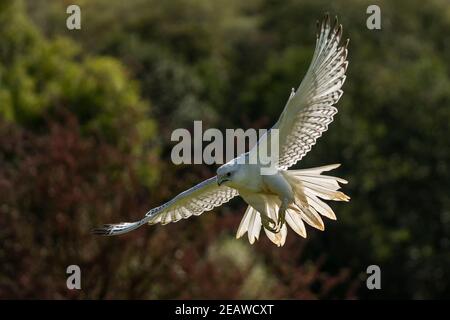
x=339 y=31
x=327 y=19
x=317 y=28
x=324 y=23
x=105 y=230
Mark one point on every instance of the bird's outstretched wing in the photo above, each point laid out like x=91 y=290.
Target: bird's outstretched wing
x=200 y=198
x=310 y=109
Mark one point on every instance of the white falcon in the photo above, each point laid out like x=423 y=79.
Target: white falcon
x=287 y=196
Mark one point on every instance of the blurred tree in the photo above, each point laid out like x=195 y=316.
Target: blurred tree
x=205 y=59
x=74 y=153
x=176 y=48
x=39 y=77
x=55 y=186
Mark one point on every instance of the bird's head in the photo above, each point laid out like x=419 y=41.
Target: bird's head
x=227 y=174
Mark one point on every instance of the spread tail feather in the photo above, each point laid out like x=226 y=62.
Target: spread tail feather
x=310 y=187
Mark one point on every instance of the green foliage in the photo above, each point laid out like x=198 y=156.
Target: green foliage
x=41 y=77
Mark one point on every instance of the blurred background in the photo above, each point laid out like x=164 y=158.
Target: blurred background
x=85 y=124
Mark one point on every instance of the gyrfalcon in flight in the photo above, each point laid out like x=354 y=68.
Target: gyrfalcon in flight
x=285 y=196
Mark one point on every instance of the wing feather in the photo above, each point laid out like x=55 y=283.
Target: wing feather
x=310 y=110
x=203 y=197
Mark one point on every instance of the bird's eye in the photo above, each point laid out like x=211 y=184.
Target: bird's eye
x=228 y=174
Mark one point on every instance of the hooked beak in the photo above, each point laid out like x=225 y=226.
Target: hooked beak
x=221 y=179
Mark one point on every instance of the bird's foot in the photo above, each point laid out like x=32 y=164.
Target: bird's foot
x=267 y=222
x=281 y=219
